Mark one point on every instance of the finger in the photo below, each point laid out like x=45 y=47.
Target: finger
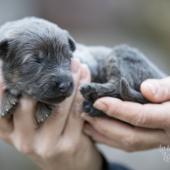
x=99 y=137
x=24 y=126
x=116 y=133
x=74 y=123
x=23 y=118
x=2 y=84
x=77 y=102
x=56 y=123
x=85 y=74
x=5 y=126
x=148 y=115
x=5 y=123
x=156 y=90
x=106 y=127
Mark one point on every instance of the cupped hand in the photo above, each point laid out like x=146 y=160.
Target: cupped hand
x=133 y=126
x=58 y=143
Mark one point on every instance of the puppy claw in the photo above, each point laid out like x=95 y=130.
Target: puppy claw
x=13 y=103
x=42 y=113
x=89 y=92
x=8 y=104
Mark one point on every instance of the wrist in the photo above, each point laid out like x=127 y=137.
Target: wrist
x=86 y=157
x=92 y=159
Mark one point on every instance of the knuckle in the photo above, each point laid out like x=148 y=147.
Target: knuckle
x=25 y=148
x=166 y=124
x=100 y=128
x=68 y=148
x=45 y=154
x=163 y=93
x=63 y=149
x=44 y=150
x=164 y=117
x=112 y=111
x=139 y=119
x=131 y=143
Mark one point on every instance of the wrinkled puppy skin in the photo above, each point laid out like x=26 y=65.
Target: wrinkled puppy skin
x=36 y=56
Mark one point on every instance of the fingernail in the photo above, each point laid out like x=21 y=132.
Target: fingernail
x=75 y=65
x=153 y=86
x=100 y=105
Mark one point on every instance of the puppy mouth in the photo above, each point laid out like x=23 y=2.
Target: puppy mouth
x=55 y=100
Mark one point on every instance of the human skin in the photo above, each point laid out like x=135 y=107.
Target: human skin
x=58 y=143
x=133 y=126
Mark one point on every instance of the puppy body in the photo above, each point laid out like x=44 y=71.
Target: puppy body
x=36 y=57
x=116 y=72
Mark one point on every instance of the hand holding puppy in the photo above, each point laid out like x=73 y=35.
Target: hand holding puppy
x=59 y=142
x=134 y=126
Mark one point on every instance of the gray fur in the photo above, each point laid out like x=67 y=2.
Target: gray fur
x=36 y=57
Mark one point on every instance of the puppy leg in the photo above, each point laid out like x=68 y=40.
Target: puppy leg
x=8 y=103
x=93 y=91
x=129 y=94
x=43 y=111
x=88 y=108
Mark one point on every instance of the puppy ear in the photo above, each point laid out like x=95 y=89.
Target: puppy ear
x=72 y=43
x=4 y=46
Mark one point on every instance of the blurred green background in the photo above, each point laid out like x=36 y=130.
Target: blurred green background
x=144 y=24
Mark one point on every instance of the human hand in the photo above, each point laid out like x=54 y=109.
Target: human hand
x=134 y=126
x=58 y=143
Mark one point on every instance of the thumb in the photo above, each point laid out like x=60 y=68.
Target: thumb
x=156 y=90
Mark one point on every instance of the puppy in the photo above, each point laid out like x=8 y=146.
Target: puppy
x=36 y=57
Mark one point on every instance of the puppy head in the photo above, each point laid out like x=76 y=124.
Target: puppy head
x=37 y=63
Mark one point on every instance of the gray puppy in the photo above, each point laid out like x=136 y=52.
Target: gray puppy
x=36 y=57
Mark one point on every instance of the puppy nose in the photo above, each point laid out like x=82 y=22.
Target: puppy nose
x=63 y=87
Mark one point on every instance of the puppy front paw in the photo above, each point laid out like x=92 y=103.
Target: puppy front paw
x=89 y=92
x=129 y=94
x=43 y=111
x=88 y=108
x=8 y=104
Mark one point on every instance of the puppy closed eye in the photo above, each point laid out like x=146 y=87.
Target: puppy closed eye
x=32 y=59
x=39 y=59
